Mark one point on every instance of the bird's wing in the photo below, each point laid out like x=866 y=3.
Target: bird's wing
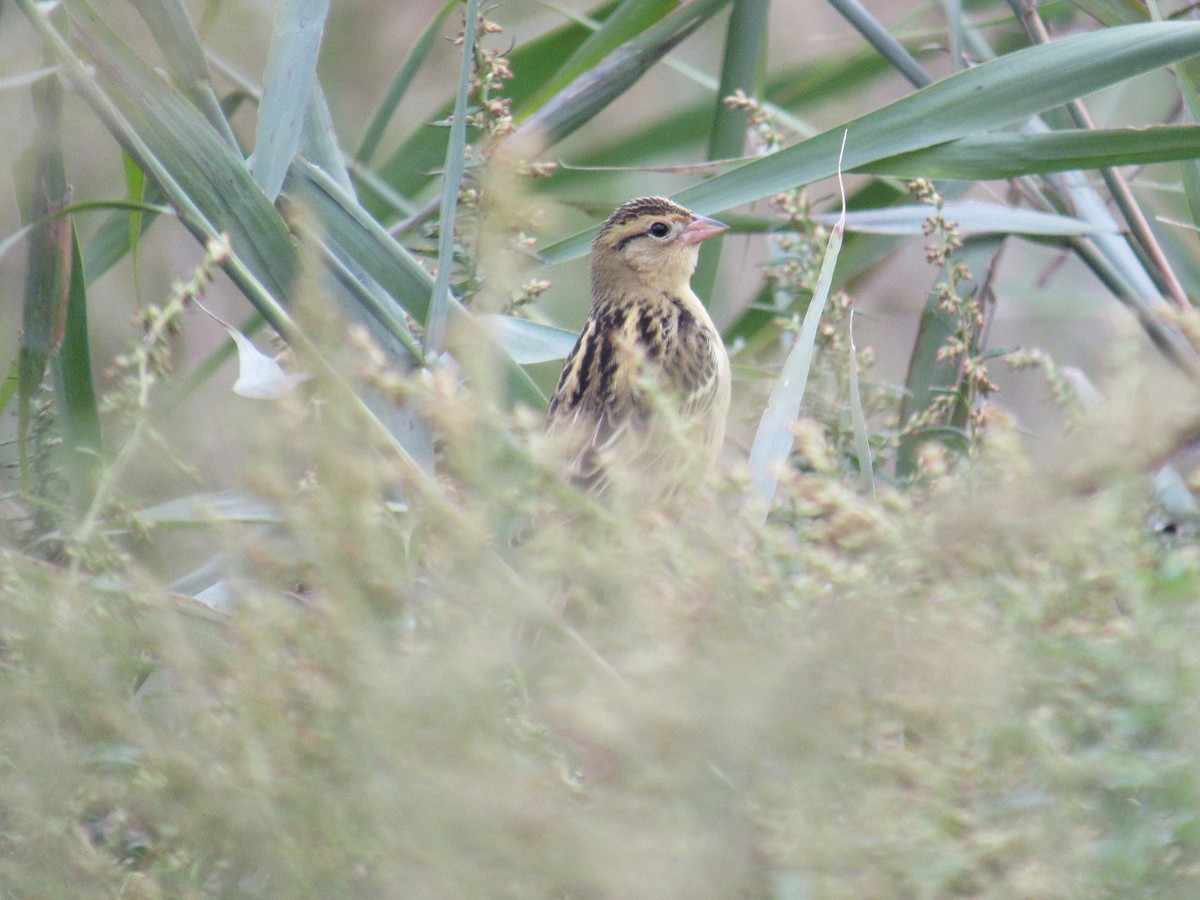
x=599 y=407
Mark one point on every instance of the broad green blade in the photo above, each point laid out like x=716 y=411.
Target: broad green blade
x=42 y=175
x=287 y=85
x=411 y=166
x=987 y=157
x=580 y=100
x=969 y=217
x=626 y=22
x=400 y=84
x=452 y=176
x=355 y=230
x=741 y=71
x=351 y=229
x=78 y=414
x=176 y=36
x=202 y=172
x=529 y=342
x=992 y=95
x=773 y=439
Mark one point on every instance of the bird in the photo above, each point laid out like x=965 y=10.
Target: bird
x=649 y=361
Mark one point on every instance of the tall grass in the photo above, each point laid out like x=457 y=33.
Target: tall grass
x=363 y=639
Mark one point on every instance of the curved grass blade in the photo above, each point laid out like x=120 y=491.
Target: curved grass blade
x=176 y=36
x=858 y=419
x=349 y=227
x=48 y=272
x=529 y=342
x=456 y=151
x=373 y=133
x=997 y=93
x=741 y=70
x=773 y=439
x=201 y=174
x=987 y=157
x=408 y=169
x=288 y=83
x=580 y=100
x=626 y=22
x=969 y=216
x=75 y=391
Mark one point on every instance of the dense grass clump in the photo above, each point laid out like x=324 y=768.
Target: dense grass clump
x=986 y=687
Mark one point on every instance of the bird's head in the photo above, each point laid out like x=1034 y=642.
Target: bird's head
x=652 y=241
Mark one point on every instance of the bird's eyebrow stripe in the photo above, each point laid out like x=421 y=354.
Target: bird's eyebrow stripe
x=637 y=234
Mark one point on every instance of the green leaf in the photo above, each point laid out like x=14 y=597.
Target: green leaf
x=349 y=226
x=580 y=100
x=529 y=342
x=992 y=95
x=360 y=238
x=400 y=84
x=452 y=175
x=78 y=414
x=48 y=271
x=200 y=173
x=773 y=439
x=626 y=22
x=969 y=217
x=176 y=37
x=988 y=157
x=929 y=376
x=290 y=77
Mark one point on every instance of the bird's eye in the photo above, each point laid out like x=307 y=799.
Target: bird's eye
x=660 y=229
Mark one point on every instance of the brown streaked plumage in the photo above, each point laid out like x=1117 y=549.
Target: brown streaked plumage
x=645 y=324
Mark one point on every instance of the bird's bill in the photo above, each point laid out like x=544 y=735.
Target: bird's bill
x=700 y=229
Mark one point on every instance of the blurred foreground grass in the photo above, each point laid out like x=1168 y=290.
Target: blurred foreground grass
x=984 y=688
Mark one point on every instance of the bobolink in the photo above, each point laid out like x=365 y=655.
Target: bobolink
x=647 y=338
